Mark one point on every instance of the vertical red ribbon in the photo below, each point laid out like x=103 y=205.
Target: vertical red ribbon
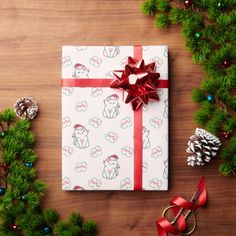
x=138 y=140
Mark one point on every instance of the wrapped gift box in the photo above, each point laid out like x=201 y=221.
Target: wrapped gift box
x=104 y=147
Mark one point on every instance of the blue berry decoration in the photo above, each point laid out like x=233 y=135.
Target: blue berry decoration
x=47 y=230
x=197 y=35
x=2 y=191
x=29 y=164
x=210 y=98
x=220 y=5
x=2 y=134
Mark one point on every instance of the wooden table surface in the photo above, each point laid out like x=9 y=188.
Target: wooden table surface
x=32 y=33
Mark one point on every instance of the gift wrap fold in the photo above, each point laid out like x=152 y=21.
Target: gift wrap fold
x=106 y=145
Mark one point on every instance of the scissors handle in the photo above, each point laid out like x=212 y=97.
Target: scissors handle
x=176 y=217
x=186 y=216
x=194 y=222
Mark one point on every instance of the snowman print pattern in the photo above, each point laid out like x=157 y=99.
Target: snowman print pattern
x=80 y=136
x=111 y=167
x=80 y=71
x=111 y=51
x=165 y=113
x=111 y=109
x=146 y=141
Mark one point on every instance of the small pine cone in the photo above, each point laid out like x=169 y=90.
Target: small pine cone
x=202 y=146
x=26 y=108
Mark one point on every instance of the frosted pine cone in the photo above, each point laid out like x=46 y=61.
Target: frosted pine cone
x=26 y=108
x=202 y=146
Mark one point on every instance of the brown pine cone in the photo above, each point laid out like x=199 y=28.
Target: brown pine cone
x=202 y=146
x=26 y=108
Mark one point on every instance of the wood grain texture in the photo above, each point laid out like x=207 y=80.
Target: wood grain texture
x=32 y=33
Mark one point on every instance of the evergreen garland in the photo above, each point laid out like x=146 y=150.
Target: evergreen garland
x=20 y=191
x=209 y=28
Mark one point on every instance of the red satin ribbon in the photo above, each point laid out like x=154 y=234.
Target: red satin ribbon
x=138 y=137
x=101 y=82
x=83 y=83
x=164 y=226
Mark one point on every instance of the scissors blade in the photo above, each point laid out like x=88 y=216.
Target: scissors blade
x=196 y=195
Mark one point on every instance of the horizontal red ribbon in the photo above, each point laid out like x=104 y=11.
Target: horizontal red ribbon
x=83 y=83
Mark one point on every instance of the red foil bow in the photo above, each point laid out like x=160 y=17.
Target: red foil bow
x=139 y=81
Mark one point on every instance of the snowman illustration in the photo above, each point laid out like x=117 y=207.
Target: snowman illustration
x=111 y=166
x=111 y=51
x=80 y=137
x=78 y=188
x=165 y=172
x=111 y=109
x=80 y=71
x=146 y=141
x=165 y=113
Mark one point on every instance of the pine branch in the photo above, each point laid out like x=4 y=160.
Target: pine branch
x=209 y=28
x=20 y=210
